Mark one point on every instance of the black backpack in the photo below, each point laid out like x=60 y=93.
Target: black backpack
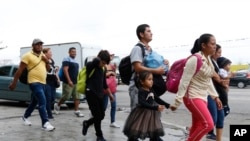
x=23 y=78
x=125 y=67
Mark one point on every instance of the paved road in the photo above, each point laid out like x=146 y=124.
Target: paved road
x=68 y=127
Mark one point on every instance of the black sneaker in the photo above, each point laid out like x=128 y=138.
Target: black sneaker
x=133 y=139
x=159 y=139
x=100 y=139
x=211 y=136
x=84 y=127
x=51 y=117
x=156 y=139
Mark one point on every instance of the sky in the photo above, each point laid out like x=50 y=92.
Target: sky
x=112 y=24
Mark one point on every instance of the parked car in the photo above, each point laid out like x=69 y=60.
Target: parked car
x=22 y=92
x=241 y=79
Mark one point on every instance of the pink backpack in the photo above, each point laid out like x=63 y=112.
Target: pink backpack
x=175 y=73
x=111 y=82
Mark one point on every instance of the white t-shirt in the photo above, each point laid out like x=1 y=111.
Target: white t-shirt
x=223 y=73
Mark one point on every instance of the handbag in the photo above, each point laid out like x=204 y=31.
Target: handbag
x=57 y=83
x=24 y=76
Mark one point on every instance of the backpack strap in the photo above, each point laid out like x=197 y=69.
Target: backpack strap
x=143 y=54
x=142 y=49
x=198 y=66
x=199 y=62
x=91 y=73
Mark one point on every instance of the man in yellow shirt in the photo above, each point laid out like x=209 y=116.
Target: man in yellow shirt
x=37 y=64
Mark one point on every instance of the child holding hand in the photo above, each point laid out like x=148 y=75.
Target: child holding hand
x=145 y=120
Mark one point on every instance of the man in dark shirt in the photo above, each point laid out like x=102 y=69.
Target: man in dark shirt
x=70 y=72
x=96 y=84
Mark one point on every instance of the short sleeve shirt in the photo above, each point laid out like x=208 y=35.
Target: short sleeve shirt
x=38 y=73
x=73 y=69
x=223 y=73
x=136 y=56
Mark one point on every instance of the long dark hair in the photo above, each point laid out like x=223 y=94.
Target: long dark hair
x=217 y=47
x=204 y=38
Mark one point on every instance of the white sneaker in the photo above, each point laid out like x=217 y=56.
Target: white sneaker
x=79 y=114
x=26 y=121
x=48 y=127
x=56 y=108
x=114 y=125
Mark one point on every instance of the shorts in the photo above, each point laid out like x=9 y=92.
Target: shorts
x=68 y=91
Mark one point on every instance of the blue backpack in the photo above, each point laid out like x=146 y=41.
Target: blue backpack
x=61 y=74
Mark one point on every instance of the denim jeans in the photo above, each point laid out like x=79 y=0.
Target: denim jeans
x=50 y=92
x=37 y=97
x=220 y=118
x=113 y=106
x=133 y=93
x=217 y=115
x=212 y=107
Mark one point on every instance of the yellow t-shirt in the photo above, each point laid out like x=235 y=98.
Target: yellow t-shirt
x=38 y=73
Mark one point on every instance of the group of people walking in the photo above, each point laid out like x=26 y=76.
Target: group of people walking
x=204 y=93
x=43 y=81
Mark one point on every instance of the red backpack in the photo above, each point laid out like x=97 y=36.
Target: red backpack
x=175 y=73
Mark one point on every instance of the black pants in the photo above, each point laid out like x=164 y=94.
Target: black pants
x=97 y=110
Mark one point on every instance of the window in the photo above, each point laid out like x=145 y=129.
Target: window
x=13 y=72
x=5 y=71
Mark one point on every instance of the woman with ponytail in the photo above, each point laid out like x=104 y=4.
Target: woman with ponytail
x=194 y=89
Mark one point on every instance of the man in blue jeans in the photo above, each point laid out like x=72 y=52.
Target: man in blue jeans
x=37 y=65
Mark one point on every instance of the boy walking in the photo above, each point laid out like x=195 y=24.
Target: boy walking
x=94 y=93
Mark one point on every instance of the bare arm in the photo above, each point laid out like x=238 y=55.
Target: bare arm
x=46 y=60
x=219 y=80
x=66 y=74
x=56 y=73
x=139 y=67
x=110 y=71
x=18 y=73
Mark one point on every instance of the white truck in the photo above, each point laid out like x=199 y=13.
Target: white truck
x=60 y=50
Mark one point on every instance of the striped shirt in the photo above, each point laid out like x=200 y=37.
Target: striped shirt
x=198 y=85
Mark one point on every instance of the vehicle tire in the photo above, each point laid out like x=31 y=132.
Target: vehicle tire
x=241 y=85
x=70 y=105
x=25 y=103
